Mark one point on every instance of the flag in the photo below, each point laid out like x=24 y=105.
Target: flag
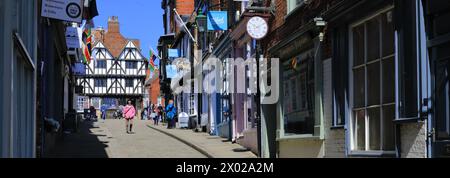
x=90 y=9
x=151 y=62
x=87 y=45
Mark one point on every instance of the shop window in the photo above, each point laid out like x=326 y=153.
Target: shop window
x=373 y=84
x=340 y=77
x=298 y=100
x=81 y=103
x=96 y=102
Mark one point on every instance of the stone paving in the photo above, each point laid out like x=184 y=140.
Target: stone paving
x=145 y=142
x=108 y=139
x=212 y=146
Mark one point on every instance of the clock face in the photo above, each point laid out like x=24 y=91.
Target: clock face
x=257 y=27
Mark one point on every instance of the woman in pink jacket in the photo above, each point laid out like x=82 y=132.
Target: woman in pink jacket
x=128 y=113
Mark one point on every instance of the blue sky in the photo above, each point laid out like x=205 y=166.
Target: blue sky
x=139 y=19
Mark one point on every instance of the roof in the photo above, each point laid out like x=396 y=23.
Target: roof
x=115 y=42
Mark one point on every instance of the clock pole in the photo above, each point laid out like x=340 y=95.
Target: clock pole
x=258 y=32
x=258 y=98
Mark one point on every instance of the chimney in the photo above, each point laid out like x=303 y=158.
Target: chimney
x=113 y=24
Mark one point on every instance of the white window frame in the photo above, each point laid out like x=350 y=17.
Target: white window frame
x=350 y=120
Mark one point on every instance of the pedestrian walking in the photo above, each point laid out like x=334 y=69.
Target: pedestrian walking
x=161 y=112
x=103 y=110
x=128 y=113
x=171 y=112
x=156 y=115
x=92 y=113
x=144 y=113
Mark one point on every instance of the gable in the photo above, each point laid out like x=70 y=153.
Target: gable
x=131 y=52
x=101 y=52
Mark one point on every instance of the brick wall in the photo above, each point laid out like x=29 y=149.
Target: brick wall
x=413 y=140
x=284 y=24
x=334 y=138
x=185 y=7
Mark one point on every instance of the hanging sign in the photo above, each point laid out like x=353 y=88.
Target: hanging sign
x=67 y=10
x=171 y=71
x=72 y=38
x=174 y=53
x=217 y=20
x=79 y=69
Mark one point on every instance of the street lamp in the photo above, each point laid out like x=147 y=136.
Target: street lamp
x=201 y=21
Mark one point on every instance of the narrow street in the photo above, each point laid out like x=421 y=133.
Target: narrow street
x=230 y=78
x=108 y=139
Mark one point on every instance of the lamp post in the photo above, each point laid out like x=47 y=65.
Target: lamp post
x=200 y=21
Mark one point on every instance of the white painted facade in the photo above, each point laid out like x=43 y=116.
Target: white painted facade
x=106 y=75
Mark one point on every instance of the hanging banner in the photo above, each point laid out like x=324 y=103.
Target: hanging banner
x=174 y=53
x=67 y=10
x=217 y=20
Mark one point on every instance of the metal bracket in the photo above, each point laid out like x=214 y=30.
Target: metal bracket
x=270 y=9
x=431 y=133
x=18 y=42
x=425 y=110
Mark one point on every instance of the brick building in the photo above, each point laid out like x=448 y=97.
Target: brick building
x=357 y=78
x=153 y=89
x=362 y=90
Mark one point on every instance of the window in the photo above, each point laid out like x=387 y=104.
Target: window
x=373 y=84
x=131 y=64
x=298 y=100
x=340 y=81
x=100 y=83
x=129 y=83
x=101 y=64
x=82 y=103
x=192 y=104
x=292 y=4
x=96 y=102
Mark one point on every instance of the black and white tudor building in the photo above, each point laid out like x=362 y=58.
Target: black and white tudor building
x=111 y=80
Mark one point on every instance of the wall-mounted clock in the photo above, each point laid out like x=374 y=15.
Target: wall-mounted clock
x=257 y=27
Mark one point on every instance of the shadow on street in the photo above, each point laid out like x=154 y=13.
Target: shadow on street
x=82 y=144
